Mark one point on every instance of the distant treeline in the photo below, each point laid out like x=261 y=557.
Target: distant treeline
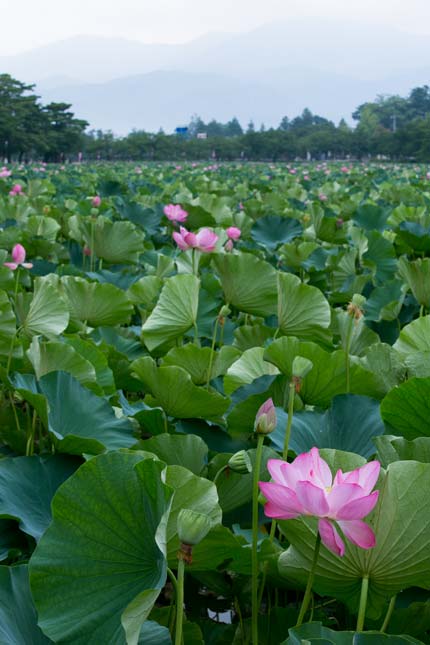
x=392 y=126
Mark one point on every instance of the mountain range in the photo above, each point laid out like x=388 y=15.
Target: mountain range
x=261 y=75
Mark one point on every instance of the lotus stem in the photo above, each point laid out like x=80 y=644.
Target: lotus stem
x=256 y=473
x=347 y=350
x=291 y=395
x=363 y=603
x=179 y=601
x=308 y=591
x=219 y=473
x=30 y=441
x=388 y=614
x=92 y=246
x=214 y=335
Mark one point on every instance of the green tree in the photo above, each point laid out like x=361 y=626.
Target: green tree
x=64 y=132
x=21 y=118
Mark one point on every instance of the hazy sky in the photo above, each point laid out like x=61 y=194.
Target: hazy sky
x=28 y=23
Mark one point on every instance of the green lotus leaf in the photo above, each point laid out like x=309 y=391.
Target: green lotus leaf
x=413 y=346
x=392 y=449
x=103 y=555
x=385 y=363
x=303 y=310
x=327 y=377
x=42 y=226
x=27 y=485
x=173 y=390
x=145 y=291
x=380 y=256
x=385 y=302
x=247 y=368
x=52 y=356
x=81 y=421
x=195 y=360
x=371 y=217
x=407 y=408
x=175 y=312
x=273 y=230
x=416 y=275
x=317 y=633
x=185 y=450
x=7 y=325
x=249 y=336
x=116 y=242
x=18 y=617
x=90 y=352
x=249 y=284
x=349 y=424
x=95 y=304
x=414 y=235
x=48 y=313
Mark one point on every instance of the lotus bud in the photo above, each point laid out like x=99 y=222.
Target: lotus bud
x=192 y=526
x=240 y=463
x=265 y=420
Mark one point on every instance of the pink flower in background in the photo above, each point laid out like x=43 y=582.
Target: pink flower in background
x=16 y=190
x=175 y=213
x=86 y=251
x=322 y=197
x=306 y=177
x=96 y=201
x=18 y=257
x=4 y=172
x=233 y=233
x=306 y=487
x=344 y=169
x=205 y=240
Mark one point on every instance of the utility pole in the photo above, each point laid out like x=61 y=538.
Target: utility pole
x=394 y=120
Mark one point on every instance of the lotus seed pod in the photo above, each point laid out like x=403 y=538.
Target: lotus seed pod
x=192 y=526
x=240 y=463
x=301 y=366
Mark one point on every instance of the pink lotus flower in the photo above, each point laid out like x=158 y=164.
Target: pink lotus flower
x=322 y=197
x=306 y=487
x=96 y=201
x=175 y=213
x=4 y=172
x=205 y=240
x=86 y=251
x=233 y=233
x=18 y=257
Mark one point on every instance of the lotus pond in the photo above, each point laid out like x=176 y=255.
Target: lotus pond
x=215 y=419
